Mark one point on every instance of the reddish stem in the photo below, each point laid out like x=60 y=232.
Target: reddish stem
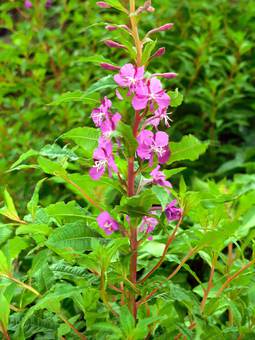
x=168 y=243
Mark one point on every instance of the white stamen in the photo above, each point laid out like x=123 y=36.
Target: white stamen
x=100 y=164
x=159 y=150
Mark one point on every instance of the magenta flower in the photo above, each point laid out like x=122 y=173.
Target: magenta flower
x=103 y=158
x=159 y=178
x=173 y=213
x=159 y=115
x=107 y=223
x=150 y=144
x=110 y=123
x=99 y=114
x=129 y=76
x=150 y=92
x=28 y=4
x=148 y=225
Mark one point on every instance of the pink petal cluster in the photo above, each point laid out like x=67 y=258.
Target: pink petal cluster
x=107 y=223
x=103 y=118
x=130 y=76
x=172 y=212
x=103 y=158
x=150 y=144
x=148 y=224
x=150 y=92
x=159 y=178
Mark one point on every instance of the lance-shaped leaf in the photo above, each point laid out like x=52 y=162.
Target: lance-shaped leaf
x=33 y=203
x=85 y=137
x=189 y=148
x=52 y=168
x=9 y=209
x=76 y=96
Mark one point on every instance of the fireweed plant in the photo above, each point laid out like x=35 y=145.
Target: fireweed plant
x=119 y=267
x=150 y=103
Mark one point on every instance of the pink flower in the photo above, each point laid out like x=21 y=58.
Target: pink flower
x=173 y=213
x=28 y=4
x=103 y=158
x=107 y=223
x=110 y=123
x=159 y=115
x=148 y=225
x=158 y=177
x=103 y=118
x=99 y=114
x=129 y=76
x=150 y=144
x=150 y=92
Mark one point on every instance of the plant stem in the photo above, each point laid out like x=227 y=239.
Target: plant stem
x=154 y=291
x=210 y=284
x=234 y=276
x=131 y=170
x=22 y=284
x=89 y=199
x=168 y=243
x=69 y=324
x=135 y=32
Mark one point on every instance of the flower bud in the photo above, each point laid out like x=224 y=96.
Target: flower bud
x=161 y=51
x=150 y=9
x=113 y=44
x=103 y=4
x=169 y=75
x=48 y=4
x=109 y=67
x=28 y=4
x=111 y=28
x=163 y=28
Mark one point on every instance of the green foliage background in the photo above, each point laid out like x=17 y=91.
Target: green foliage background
x=45 y=53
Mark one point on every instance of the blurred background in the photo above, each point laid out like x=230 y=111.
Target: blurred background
x=44 y=50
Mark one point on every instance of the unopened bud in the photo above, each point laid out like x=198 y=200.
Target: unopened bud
x=161 y=51
x=150 y=9
x=103 y=4
x=111 y=28
x=169 y=75
x=109 y=67
x=113 y=44
x=163 y=28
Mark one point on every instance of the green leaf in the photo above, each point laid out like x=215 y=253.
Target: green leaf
x=76 y=96
x=75 y=237
x=23 y=157
x=176 y=98
x=138 y=205
x=55 y=151
x=5 y=233
x=4 y=311
x=102 y=84
x=9 y=209
x=50 y=167
x=116 y=4
x=172 y=172
x=85 y=137
x=4 y=264
x=162 y=195
x=189 y=148
x=95 y=59
x=149 y=47
x=129 y=140
x=34 y=229
x=33 y=203
x=67 y=212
